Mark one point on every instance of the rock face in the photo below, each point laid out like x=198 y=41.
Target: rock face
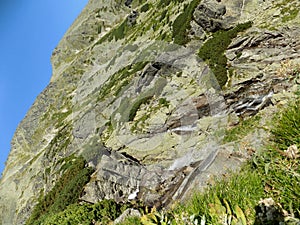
x=147 y=114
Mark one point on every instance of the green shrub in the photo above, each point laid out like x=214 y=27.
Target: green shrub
x=145 y=7
x=104 y=212
x=182 y=23
x=65 y=192
x=213 y=50
x=164 y=102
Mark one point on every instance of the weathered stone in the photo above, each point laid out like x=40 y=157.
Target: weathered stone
x=209 y=14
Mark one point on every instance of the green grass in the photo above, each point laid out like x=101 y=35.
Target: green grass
x=117 y=82
x=290 y=15
x=243 y=189
x=212 y=51
x=242 y=129
x=287 y=128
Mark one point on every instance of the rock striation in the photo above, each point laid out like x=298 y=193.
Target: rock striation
x=146 y=113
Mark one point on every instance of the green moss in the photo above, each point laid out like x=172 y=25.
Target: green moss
x=213 y=50
x=182 y=23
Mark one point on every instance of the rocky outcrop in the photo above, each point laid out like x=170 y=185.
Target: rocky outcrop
x=208 y=15
x=148 y=115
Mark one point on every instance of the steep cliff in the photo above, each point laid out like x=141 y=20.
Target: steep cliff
x=150 y=94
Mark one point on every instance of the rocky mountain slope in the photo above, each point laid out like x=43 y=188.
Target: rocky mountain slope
x=155 y=96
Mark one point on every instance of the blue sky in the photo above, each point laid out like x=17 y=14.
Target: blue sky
x=30 y=30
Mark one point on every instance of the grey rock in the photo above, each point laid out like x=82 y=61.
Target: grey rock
x=209 y=15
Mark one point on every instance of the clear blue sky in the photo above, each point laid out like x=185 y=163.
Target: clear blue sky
x=30 y=30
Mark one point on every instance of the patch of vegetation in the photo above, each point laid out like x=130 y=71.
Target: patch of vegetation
x=66 y=162
x=163 y=15
x=242 y=190
x=119 y=32
x=104 y=212
x=164 y=102
x=145 y=7
x=119 y=80
x=137 y=105
x=242 y=129
x=182 y=23
x=116 y=33
x=213 y=50
x=291 y=15
x=60 y=142
x=287 y=129
x=65 y=192
x=164 y=3
x=132 y=221
x=289 y=10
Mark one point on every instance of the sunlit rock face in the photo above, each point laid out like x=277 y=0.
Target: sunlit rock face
x=130 y=93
